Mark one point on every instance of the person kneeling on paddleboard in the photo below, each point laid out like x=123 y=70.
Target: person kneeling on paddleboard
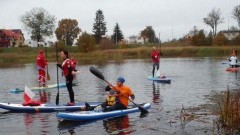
x=68 y=72
x=123 y=93
x=233 y=61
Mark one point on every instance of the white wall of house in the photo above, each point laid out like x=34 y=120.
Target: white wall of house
x=33 y=43
x=132 y=40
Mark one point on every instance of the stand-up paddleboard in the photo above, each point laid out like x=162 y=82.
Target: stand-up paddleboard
x=160 y=80
x=233 y=69
x=92 y=115
x=50 y=86
x=19 y=108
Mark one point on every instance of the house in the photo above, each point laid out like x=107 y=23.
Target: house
x=230 y=34
x=33 y=43
x=137 y=40
x=11 y=38
x=132 y=40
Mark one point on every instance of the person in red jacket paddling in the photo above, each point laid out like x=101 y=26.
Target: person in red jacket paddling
x=41 y=65
x=68 y=71
x=155 y=58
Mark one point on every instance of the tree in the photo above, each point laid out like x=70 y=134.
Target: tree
x=220 y=39
x=149 y=33
x=209 y=38
x=99 y=27
x=67 y=31
x=236 y=14
x=213 y=20
x=199 y=38
x=117 y=34
x=106 y=43
x=86 y=42
x=39 y=23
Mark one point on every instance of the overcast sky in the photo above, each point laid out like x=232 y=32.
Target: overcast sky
x=170 y=18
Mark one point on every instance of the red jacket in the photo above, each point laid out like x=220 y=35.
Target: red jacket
x=155 y=56
x=65 y=67
x=41 y=61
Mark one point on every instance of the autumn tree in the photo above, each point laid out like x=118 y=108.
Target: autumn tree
x=39 y=23
x=236 y=14
x=209 y=38
x=99 y=27
x=148 y=33
x=199 y=38
x=106 y=43
x=117 y=34
x=220 y=39
x=67 y=31
x=86 y=42
x=213 y=19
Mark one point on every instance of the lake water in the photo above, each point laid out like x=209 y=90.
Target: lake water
x=192 y=80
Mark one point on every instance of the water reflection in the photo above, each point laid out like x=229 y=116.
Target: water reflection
x=44 y=96
x=118 y=126
x=30 y=121
x=156 y=93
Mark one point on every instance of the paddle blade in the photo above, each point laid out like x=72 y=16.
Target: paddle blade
x=97 y=73
x=57 y=99
x=143 y=111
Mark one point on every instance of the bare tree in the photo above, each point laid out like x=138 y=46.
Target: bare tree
x=236 y=14
x=213 y=19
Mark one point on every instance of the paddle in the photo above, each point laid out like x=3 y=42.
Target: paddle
x=57 y=97
x=48 y=76
x=100 y=76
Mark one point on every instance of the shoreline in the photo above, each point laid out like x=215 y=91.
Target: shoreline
x=10 y=57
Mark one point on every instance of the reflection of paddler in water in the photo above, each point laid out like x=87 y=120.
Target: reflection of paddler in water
x=44 y=96
x=119 y=125
x=156 y=93
x=33 y=119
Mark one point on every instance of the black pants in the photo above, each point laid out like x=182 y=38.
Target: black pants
x=117 y=106
x=69 y=80
x=154 y=66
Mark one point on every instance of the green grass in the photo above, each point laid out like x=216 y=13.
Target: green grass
x=13 y=56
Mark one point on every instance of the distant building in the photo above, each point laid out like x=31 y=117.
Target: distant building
x=33 y=43
x=137 y=40
x=11 y=38
x=230 y=34
x=132 y=40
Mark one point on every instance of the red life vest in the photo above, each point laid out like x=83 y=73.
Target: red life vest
x=41 y=62
x=65 y=66
x=155 y=56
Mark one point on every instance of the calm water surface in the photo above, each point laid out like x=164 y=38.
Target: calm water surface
x=192 y=80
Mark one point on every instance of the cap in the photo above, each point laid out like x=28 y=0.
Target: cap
x=121 y=79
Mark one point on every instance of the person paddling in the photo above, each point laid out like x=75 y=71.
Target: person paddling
x=155 y=58
x=41 y=66
x=123 y=94
x=68 y=71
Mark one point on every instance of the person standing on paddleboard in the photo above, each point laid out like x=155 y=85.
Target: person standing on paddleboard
x=41 y=66
x=68 y=71
x=233 y=59
x=155 y=58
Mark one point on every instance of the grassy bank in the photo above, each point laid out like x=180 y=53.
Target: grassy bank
x=11 y=56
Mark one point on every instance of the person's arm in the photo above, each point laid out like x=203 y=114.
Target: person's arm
x=59 y=65
x=132 y=96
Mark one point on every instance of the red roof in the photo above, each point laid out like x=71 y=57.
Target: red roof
x=15 y=33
